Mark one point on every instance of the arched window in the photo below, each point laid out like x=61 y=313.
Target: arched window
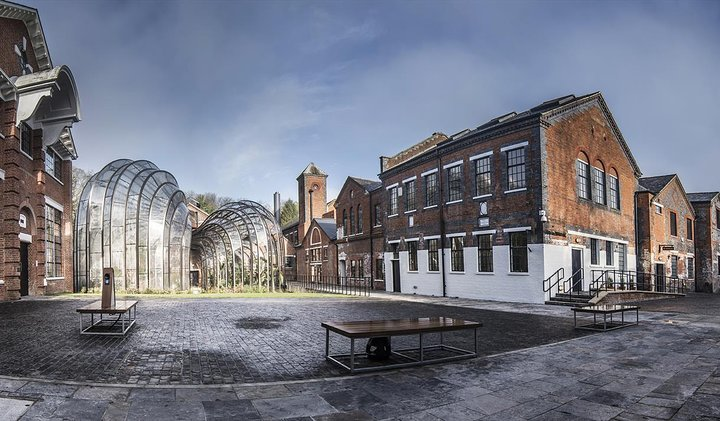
x=315 y=236
x=613 y=189
x=359 y=219
x=352 y=221
x=344 y=223
x=598 y=183
x=582 y=170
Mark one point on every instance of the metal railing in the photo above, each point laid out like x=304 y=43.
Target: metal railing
x=624 y=280
x=570 y=283
x=346 y=285
x=548 y=283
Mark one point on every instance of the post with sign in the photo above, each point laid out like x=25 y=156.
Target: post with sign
x=108 y=288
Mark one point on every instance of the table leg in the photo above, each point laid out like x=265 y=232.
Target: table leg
x=327 y=342
x=421 y=347
x=637 y=316
x=622 y=318
x=352 y=355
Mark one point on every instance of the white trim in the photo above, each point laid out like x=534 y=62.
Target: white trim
x=431 y=237
x=412 y=239
x=583 y=161
x=410 y=212
x=25 y=153
x=55 y=278
x=514 y=146
x=25 y=238
x=658 y=204
x=2 y=174
x=690 y=254
x=453 y=164
x=516 y=190
x=517 y=229
x=482 y=196
x=391 y=186
x=484 y=232
x=2 y=282
x=598 y=237
x=430 y=207
x=482 y=155
x=457 y=234
x=453 y=202
x=428 y=172
x=407 y=180
x=393 y=241
x=50 y=202
x=393 y=215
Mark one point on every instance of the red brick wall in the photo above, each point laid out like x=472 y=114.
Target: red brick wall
x=12 y=32
x=707 y=246
x=587 y=130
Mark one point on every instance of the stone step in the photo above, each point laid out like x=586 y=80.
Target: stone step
x=565 y=303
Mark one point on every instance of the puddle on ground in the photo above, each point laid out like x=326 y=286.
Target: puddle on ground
x=260 y=322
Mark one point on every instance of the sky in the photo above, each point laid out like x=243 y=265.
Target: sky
x=237 y=97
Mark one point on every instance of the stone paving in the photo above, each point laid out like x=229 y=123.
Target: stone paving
x=668 y=367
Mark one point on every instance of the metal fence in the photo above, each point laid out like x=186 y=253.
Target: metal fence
x=621 y=280
x=346 y=285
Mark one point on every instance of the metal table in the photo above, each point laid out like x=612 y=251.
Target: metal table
x=125 y=312
x=606 y=310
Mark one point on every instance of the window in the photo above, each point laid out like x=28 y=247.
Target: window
x=516 y=168
x=345 y=223
x=674 y=266
x=353 y=268
x=352 y=221
x=431 y=190
x=412 y=256
x=454 y=183
x=53 y=164
x=433 y=258
x=325 y=253
x=379 y=269
x=53 y=242
x=582 y=169
x=594 y=251
x=359 y=220
x=689 y=228
x=410 y=196
x=361 y=268
x=457 y=261
x=483 y=176
x=26 y=139
x=609 y=253
x=598 y=178
x=378 y=215
x=392 y=201
x=518 y=252
x=717 y=217
x=673 y=223
x=658 y=209
x=485 y=253
x=691 y=268
x=622 y=257
x=614 y=192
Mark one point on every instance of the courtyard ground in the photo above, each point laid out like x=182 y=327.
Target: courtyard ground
x=253 y=359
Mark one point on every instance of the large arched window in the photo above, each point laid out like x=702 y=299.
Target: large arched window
x=344 y=223
x=359 y=219
x=598 y=182
x=582 y=170
x=613 y=189
x=352 y=220
x=315 y=237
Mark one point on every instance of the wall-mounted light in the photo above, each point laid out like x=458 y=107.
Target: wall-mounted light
x=543 y=215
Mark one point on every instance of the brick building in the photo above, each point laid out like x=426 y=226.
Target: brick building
x=491 y=213
x=665 y=231
x=38 y=105
x=360 y=241
x=707 y=240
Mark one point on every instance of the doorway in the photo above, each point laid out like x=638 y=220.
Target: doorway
x=577 y=278
x=659 y=277
x=396 y=275
x=24 y=275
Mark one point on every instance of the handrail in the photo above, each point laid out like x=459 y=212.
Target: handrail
x=571 y=283
x=560 y=273
x=626 y=280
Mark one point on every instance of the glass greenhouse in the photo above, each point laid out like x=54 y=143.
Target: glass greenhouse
x=133 y=217
x=238 y=246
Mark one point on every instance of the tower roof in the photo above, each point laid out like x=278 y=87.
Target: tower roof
x=312 y=169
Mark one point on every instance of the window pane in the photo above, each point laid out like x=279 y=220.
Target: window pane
x=518 y=252
x=691 y=268
x=614 y=196
x=598 y=185
x=457 y=261
x=689 y=229
x=583 y=179
x=410 y=195
x=431 y=190
x=359 y=219
x=674 y=266
x=483 y=179
x=673 y=223
x=433 y=261
x=516 y=168
x=412 y=255
x=455 y=183
x=392 y=201
x=609 y=253
x=485 y=253
x=594 y=251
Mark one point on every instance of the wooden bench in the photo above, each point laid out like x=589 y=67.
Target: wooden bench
x=606 y=310
x=389 y=328
x=124 y=310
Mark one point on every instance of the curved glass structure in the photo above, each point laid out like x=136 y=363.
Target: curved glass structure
x=133 y=217
x=238 y=246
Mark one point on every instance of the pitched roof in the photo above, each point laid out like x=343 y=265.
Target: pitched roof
x=702 y=197
x=328 y=226
x=312 y=169
x=657 y=183
x=369 y=185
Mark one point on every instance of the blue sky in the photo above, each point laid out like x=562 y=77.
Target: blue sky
x=236 y=97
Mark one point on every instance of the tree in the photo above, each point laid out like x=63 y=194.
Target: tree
x=289 y=212
x=209 y=202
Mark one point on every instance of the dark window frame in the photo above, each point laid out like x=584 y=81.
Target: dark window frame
x=483 y=176
x=433 y=246
x=410 y=196
x=455 y=185
x=392 y=201
x=599 y=193
x=673 y=224
x=613 y=192
x=26 y=139
x=691 y=268
x=689 y=228
x=516 y=169
x=485 y=253
x=432 y=194
x=594 y=251
x=674 y=266
x=582 y=179
x=519 y=252
x=359 y=224
x=609 y=253
x=412 y=247
x=378 y=215
x=457 y=257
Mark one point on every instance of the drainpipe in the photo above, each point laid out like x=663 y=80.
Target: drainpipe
x=442 y=224
x=372 y=257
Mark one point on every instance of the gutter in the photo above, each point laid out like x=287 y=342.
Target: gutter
x=442 y=224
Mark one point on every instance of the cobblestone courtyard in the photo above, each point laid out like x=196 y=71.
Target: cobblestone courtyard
x=216 y=341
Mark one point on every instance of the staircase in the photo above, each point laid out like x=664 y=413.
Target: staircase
x=560 y=289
